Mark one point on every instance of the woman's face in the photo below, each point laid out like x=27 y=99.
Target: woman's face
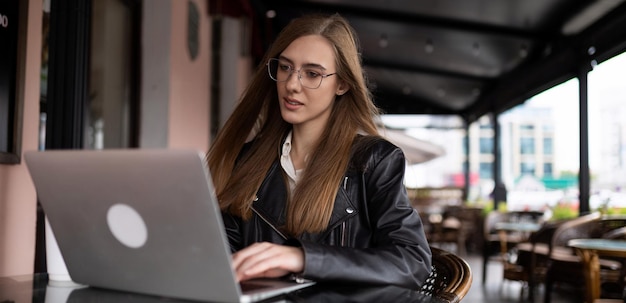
x=314 y=57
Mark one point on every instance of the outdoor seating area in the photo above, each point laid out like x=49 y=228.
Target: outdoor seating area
x=537 y=253
x=530 y=252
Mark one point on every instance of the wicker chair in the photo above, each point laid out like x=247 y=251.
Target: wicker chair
x=450 y=278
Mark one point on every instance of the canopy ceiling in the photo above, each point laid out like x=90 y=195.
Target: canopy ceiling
x=462 y=57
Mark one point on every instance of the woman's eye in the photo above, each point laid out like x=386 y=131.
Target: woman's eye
x=284 y=67
x=311 y=73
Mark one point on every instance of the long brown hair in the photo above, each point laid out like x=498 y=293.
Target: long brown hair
x=258 y=113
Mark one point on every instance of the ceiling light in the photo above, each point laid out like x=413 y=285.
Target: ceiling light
x=441 y=92
x=591 y=50
x=523 y=51
x=406 y=90
x=383 y=42
x=270 y=14
x=429 y=47
x=588 y=16
x=476 y=49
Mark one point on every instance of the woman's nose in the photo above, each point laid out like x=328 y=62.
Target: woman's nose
x=293 y=81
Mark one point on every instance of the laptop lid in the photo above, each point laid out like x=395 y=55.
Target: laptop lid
x=138 y=220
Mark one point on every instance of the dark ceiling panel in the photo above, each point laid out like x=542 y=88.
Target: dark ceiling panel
x=455 y=94
x=455 y=51
x=530 y=15
x=464 y=57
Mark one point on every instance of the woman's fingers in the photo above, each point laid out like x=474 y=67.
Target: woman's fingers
x=267 y=260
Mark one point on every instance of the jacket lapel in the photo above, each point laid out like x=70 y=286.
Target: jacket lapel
x=272 y=200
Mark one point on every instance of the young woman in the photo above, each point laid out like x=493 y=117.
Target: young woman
x=305 y=183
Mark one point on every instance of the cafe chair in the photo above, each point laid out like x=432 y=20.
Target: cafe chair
x=450 y=278
x=455 y=227
x=494 y=247
x=529 y=261
x=616 y=234
x=565 y=266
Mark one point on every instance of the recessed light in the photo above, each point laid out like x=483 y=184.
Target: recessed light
x=383 y=42
x=429 y=47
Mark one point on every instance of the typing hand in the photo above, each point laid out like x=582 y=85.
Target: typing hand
x=267 y=260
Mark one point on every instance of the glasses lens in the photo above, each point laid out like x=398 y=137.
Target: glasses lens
x=311 y=78
x=272 y=68
x=280 y=72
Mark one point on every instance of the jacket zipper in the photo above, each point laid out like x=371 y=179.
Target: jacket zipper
x=343 y=234
x=343 y=224
x=268 y=223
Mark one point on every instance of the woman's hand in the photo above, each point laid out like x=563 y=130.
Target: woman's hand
x=267 y=260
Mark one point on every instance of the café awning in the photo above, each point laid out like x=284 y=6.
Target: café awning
x=415 y=150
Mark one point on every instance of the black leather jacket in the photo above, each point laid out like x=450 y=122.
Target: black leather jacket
x=374 y=235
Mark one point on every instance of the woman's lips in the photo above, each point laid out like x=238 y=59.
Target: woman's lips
x=292 y=104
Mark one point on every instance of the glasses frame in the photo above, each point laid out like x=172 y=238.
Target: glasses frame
x=292 y=71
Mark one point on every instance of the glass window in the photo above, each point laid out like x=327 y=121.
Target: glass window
x=112 y=90
x=548 y=128
x=527 y=168
x=486 y=170
x=547 y=146
x=527 y=146
x=607 y=133
x=547 y=169
x=486 y=145
x=524 y=127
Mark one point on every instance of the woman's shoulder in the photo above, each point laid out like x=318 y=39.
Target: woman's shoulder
x=368 y=150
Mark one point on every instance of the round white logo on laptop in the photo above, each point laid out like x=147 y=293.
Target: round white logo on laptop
x=127 y=225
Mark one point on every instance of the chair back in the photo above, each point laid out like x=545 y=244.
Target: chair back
x=545 y=233
x=450 y=278
x=610 y=224
x=579 y=227
x=616 y=234
x=490 y=221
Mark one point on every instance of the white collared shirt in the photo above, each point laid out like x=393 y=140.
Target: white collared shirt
x=287 y=164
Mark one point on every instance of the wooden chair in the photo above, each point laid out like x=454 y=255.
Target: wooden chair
x=565 y=266
x=530 y=262
x=457 y=223
x=616 y=234
x=450 y=278
x=492 y=243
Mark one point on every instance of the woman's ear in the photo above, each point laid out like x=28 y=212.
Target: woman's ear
x=342 y=89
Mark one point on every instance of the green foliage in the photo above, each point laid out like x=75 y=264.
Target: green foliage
x=564 y=211
x=615 y=211
x=487 y=206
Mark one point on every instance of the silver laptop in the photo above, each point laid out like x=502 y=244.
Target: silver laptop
x=144 y=221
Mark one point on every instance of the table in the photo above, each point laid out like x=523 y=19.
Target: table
x=522 y=227
x=37 y=289
x=589 y=251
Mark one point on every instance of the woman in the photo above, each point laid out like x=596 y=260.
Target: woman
x=305 y=184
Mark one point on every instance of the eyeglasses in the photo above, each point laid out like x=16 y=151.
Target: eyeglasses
x=309 y=77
